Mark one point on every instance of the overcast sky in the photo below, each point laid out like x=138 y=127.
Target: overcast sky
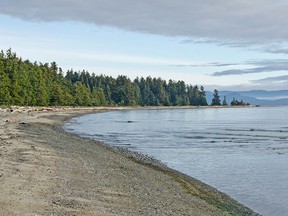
x=232 y=45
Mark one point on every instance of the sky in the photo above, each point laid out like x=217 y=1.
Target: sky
x=228 y=45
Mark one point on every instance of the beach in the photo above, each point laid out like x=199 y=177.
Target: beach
x=47 y=171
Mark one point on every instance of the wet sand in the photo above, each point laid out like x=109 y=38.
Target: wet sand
x=46 y=171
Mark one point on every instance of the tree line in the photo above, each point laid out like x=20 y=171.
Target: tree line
x=216 y=101
x=30 y=84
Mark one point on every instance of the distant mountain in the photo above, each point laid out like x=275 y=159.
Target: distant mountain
x=254 y=97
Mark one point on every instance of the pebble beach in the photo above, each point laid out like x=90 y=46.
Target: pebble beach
x=47 y=171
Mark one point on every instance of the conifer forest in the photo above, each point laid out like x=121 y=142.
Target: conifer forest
x=26 y=83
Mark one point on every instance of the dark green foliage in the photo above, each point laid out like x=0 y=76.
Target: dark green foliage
x=5 y=97
x=224 y=102
x=202 y=97
x=30 y=84
x=235 y=102
x=216 y=99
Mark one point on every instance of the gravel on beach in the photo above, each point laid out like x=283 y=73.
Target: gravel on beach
x=47 y=171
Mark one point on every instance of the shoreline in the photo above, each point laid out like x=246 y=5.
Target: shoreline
x=45 y=170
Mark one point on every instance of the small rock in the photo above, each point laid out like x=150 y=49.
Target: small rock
x=1 y=174
x=10 y=110
x=10 y=121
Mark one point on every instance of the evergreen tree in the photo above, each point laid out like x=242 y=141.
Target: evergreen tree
x=224 y=103
x=234 y=102
x=101 y=96
x=95 y=100
x=57 y=95
x=26 y=83
x=79 y=93
x=12 y=70
x=172 y=91
x=216 y=99
x=202 y=97
x=5 y=97
x=195 y=96
x=68 y=98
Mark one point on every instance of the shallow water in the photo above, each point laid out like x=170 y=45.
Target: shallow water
x=242 y=151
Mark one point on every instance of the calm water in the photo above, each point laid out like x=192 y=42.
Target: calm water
x=242 y=152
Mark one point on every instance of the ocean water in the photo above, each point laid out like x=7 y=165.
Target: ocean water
x=240 y=151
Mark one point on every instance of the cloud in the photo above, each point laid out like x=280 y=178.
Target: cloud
x=277 y=50
x=234 y=23
x=275 y=83
x=261 y=67
x=233 y=72
x=274 y=80
x=211 y=64
x=268 y=83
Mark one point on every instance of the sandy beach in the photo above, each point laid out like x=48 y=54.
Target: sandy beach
x=47 y=171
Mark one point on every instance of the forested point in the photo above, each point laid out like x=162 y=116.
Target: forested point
x=35 y=84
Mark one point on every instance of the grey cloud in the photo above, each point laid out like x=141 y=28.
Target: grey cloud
x=283 y=50
x=233 y=72
x=232 y=23
x=259 y=67
x=231 y=42
x=275 y=83
x=277 y=79
x=269 y=83
x=212 y=64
